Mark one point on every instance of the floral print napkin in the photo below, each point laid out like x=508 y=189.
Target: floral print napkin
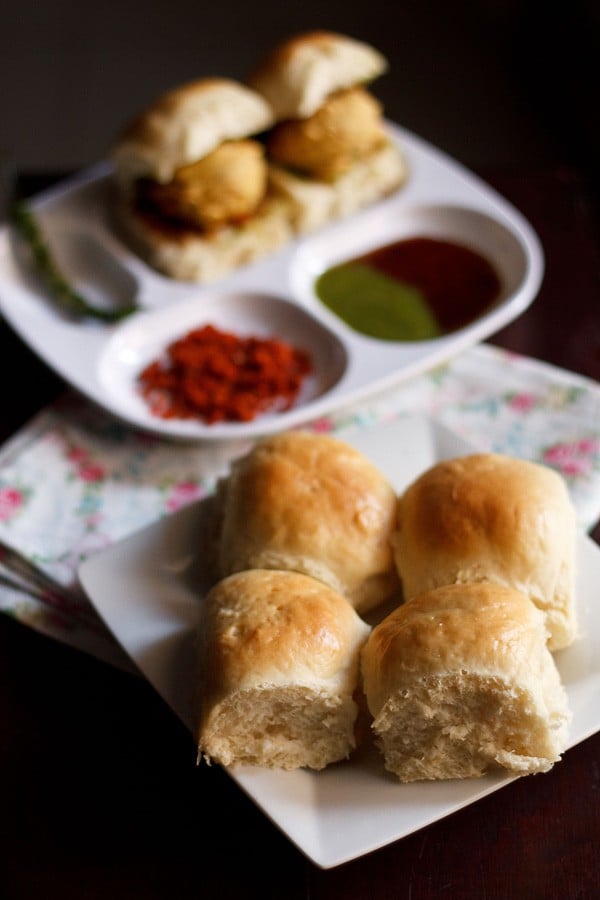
x=74 y=480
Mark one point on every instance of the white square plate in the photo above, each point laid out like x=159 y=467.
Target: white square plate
x=148 y=589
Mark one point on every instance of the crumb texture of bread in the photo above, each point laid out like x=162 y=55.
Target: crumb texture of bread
x=299 y=74
x=281 y=728
x=490 y=517
x=460 y=681
x=279 y=667
x=311 y=503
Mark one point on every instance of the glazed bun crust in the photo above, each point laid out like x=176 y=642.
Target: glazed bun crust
x=184 y=125
x=303 y=71
x=280 y=663
x=488 y=517
x=459 y=680
x=311 y=503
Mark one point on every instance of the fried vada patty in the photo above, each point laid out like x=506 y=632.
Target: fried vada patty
x=224 y=187
x=346 y=129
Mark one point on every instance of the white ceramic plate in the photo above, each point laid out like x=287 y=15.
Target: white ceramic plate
x=148 y=588
x=272 y=296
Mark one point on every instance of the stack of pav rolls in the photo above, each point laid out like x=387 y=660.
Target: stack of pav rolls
x=477 y=556
x=217 y=173
x=303 y=542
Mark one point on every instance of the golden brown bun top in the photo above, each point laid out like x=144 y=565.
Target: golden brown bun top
x=185 y=124
x=299 y=74
x=312 y=504
x=485 y=496
x=477 y=629
x=273 y=628
x=490 y=516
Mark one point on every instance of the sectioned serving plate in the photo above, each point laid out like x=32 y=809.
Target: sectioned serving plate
x=148 y=590
x=273 y=296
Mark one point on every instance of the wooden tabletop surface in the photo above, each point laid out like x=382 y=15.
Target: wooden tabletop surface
x=101 y=797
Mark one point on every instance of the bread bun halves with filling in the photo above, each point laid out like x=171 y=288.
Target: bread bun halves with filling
x=310 y=503
x=460 y=681
x=489 y=517
x=192 y=187
x=329 y=153
x=279 y=665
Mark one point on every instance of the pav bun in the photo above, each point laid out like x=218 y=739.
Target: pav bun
x=301 y=73
x=192 y=187
x=185 y=125
x=279 y=667
x=310 y=503
x=460 y=681
x=188 y=254
x=329 y=153
x=489 y=517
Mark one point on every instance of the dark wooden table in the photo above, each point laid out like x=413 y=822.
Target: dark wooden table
x=101 y=797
